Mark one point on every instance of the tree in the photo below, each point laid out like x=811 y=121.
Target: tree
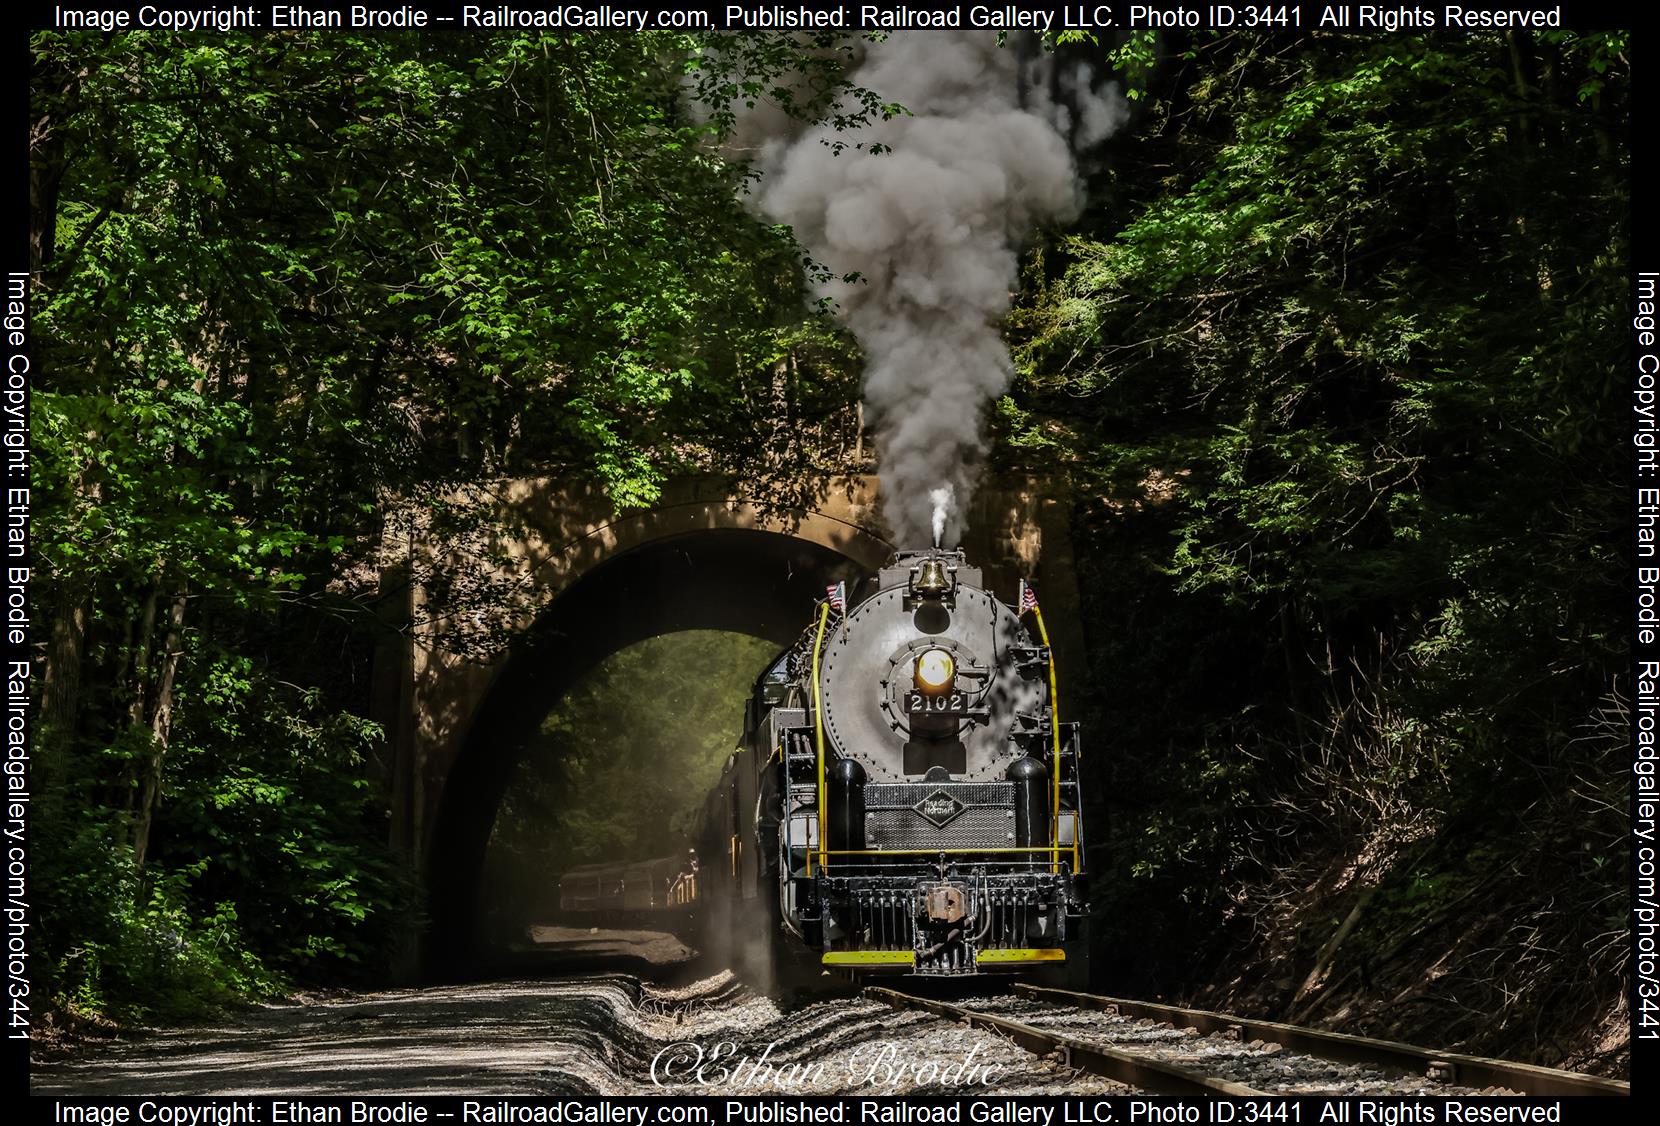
x=1340 y=367
x=291 y=286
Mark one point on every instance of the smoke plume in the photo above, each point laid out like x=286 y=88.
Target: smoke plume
x=931 y=224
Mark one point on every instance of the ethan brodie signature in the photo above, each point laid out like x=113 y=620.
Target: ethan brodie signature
x=689 y=1064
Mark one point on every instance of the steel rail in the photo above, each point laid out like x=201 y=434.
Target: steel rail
x=1143 y=1072
x=1444 y=1067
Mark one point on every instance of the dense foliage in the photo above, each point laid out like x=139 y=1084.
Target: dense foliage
x=1340 y=370
x=1333 y=359
x=288 y=287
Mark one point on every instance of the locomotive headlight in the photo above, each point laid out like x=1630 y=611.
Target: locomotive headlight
x=935 y=672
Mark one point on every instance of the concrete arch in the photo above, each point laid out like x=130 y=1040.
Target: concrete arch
x=700 y=558
x=544 y=537
x=741 y=580
x=841 y=521
x=581 y=582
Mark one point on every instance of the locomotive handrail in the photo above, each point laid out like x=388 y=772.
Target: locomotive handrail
x=907 y=897
x=1053 y=849
x=818 y=731
x=1055 y=731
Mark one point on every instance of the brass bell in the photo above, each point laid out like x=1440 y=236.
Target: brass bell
x=930 y=580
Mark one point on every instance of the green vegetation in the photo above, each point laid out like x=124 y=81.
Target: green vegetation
x=1339 y=369
x=1333 y=361
x=287 y=286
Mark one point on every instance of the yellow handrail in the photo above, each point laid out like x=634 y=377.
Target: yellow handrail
x=1055 y=726
x=1052 y=849
x=1055 y=811
x=818 y=727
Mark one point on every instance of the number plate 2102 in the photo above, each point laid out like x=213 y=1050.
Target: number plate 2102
x=950 y=704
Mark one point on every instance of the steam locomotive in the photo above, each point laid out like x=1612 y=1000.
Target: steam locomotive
x=904 y=798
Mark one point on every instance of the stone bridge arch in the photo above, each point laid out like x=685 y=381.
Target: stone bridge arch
x=586 y=582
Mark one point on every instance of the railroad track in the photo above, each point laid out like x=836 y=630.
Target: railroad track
x=1154 y=1048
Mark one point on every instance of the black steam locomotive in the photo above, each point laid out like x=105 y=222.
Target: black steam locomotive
x=904 y=798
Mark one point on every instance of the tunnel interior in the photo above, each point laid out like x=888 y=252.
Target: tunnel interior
x=616 y=774
x=756 y=583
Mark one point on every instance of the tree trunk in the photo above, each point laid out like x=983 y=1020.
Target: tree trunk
x=134 y=681
x=55 y=95
x=1328 y=954
x=161 y=726
x=46 y=168
x=139 y=680
x=60 y=696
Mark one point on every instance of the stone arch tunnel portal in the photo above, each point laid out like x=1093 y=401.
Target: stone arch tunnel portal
x=744 y=581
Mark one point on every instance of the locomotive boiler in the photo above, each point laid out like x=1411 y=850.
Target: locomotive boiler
x=905 y=798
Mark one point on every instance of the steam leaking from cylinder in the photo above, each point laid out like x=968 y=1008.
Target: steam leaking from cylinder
x=927 y=230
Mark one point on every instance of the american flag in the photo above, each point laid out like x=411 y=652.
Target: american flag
x=837 y=594
x=1028 y=597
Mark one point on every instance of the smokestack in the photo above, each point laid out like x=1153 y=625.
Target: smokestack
x=928 y=219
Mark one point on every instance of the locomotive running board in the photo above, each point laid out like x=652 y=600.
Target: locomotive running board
x=998 y=956
x=870 y=958
x=1005 y=956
